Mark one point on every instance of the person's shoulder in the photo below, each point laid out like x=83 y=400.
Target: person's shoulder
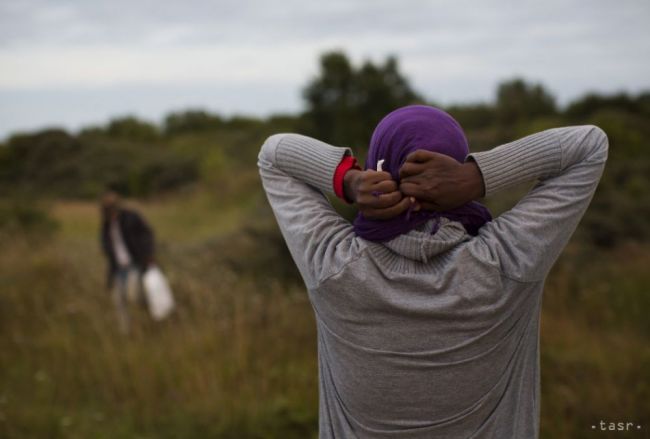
x=130 y=214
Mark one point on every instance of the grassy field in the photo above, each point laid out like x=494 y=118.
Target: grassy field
x=238 y=358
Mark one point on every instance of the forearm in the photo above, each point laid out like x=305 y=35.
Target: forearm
x=304 y=158
x=295 y=172
x=540 y=156
x=526 y=240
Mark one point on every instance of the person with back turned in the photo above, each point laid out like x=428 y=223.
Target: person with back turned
x=128 y=244
x=427 y=308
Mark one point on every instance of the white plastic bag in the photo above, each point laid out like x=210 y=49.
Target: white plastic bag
x=159 y=295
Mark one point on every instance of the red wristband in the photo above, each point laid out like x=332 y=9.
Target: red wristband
x=348 y=162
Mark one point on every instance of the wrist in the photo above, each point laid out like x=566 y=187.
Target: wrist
x=472 y=180
x=346 y=164
x=348 y=184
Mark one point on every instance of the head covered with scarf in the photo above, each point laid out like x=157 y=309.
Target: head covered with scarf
x=401 y=132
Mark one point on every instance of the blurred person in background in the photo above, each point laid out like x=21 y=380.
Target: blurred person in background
x=427 y=308
x=128 y=244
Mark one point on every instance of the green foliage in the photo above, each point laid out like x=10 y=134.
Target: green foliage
x=26 y=218
x=345 y=103
x=132 y=129
x=214 y=165
x=127 y=154
x=592 y=103
x=620 y=210
x=43 y=161
x=473 y=116
x=519 y=101
x=191 y=121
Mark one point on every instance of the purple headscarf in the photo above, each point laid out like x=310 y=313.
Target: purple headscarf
x=401 y=132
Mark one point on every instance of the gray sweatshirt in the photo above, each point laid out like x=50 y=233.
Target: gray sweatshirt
x=433 y=335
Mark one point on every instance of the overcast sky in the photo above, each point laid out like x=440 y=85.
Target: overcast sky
x=75 y=62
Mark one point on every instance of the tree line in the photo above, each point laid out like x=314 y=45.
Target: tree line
x=343 y=103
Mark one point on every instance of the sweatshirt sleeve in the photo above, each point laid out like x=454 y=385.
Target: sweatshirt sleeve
x=567 y=163
x=297 y=171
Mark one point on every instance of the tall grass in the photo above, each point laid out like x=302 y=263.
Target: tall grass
x=238 y=358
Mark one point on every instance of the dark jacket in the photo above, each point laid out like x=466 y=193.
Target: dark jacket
x=138 y=238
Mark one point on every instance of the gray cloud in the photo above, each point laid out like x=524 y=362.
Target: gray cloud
x=452 y=51
x=98 y=21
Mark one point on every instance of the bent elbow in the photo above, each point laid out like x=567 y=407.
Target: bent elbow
x=600 y=142
x=266 y=157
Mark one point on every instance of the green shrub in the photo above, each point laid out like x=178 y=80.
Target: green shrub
x=19 y=216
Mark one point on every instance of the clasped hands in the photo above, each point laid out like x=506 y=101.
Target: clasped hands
x=428 y=181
